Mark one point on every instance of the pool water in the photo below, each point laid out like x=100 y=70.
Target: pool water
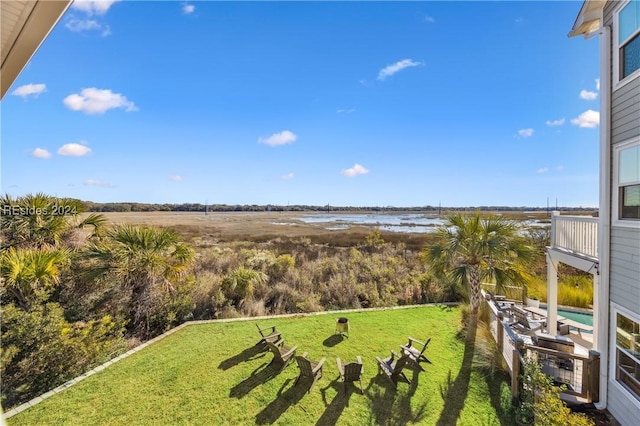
x=577 y=316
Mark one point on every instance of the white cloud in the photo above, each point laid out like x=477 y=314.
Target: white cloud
x=390 y=70
x=429 y=19
x=356 y=170
x=519 y=20
x=588 y=119
x=92 y=182
x=79 y=25
x=30 y=90
x=74 y=150
x=175 y=178
x=345 y=110
x=559 y=168
x=288 y=176
x=587 y=95
x=91 y=7
x=525 y=133
x=97 y=101
x=542 y=170
x=40 y=153
x=277 y=139
x=188 y=9
x=597 y=84
x=554 y=123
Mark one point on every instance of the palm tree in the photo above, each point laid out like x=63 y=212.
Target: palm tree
x=472 y=249
x=143 y=261
x=241 y=283
x=30 y=274
x=39 y=220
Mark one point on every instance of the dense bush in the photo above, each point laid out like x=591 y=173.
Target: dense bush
x=41 y=349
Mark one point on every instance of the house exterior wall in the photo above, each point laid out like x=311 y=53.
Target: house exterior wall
x=624 y=260
x=625 y=268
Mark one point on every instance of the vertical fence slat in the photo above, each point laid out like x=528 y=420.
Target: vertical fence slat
x=575 y=233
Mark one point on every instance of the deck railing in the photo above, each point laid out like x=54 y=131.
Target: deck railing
x=580 y=373
x=576 y=234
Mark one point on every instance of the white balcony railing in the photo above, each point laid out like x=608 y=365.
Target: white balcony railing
x=576 y=234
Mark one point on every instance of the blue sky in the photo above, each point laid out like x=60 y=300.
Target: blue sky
x=346 y=103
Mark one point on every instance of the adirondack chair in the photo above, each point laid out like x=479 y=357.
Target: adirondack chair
x=392 y=367
x=268 y=334
x=309 y=369
x=415 y=350
x=282 y=354
x=350 y=372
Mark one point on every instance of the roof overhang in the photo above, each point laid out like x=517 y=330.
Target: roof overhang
x=25 y=25
x=588 y=19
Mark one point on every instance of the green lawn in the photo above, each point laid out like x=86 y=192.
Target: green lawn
x=213 y=374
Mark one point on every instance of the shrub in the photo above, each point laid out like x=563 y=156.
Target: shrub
x=41 y=350
x=540 y=402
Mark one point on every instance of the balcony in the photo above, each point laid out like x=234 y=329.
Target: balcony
x=575 y=235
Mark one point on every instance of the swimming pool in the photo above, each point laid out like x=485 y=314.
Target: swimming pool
x=584 y=318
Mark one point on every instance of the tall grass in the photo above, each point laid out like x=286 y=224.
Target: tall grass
x=573 y=290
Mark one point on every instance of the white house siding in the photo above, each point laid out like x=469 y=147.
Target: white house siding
x=624 y=272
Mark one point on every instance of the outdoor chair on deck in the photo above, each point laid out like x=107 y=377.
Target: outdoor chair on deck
x=351 y=372
x=282 y=354
x=392 y=367
x=415 y=350
x=523 y=323
x=309 y=369
x=268 y=334
x=501 y=303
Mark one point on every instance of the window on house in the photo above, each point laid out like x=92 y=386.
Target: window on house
x=628 y=354
x=629 y=39
x=629 y=183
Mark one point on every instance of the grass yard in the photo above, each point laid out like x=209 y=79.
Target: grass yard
x=214 y=374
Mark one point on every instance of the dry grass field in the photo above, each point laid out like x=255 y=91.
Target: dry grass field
x=214 y=227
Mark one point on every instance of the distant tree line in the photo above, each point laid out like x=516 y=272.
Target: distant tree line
x=197 y=207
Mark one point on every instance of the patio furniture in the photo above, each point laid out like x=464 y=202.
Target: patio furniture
x=309 y=369
x=342 y=326
x=562 y=327
x=415 y=350
x=500 y=302
x=351 y=372
x=282 y=354
x=523 y=324
x=392 y=367
x=268 y=334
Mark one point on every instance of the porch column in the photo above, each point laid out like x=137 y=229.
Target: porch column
x=552 y=295
x=596 y=312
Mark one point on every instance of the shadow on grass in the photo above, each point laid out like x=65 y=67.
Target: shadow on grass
x=501 y=397
x=334 y=410
x=244 y=356
x=454 y=392
x=333 y=340
x=392 y=406
x=258 y=377
x=272 y=412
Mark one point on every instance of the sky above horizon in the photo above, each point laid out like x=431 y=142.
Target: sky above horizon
x=341 y=103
